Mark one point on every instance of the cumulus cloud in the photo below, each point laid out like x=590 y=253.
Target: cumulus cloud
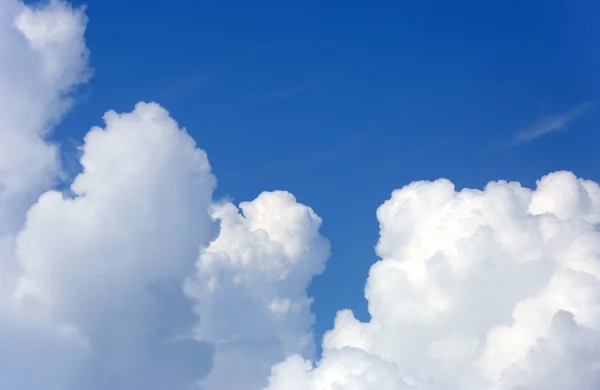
x=250 y=287
x=493 y=289
x=135 y=278
x=45 y=57
x=102 y=271
x=108 y=262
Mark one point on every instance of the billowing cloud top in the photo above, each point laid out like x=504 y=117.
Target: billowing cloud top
x=492 y=289
x=137 y=278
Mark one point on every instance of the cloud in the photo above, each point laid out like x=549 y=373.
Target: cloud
x=346 y=368
x=250 y=287
x=135 y=278
x=105 y=266
x=103 y=271
x=551 y=124
x=45 y=58
x=493 y=289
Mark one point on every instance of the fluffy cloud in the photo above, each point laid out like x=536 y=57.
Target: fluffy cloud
x=103 y=269
x=493 y=289
x=250 y=288
x=45 y=57
x=339 y=369
x=134 y=279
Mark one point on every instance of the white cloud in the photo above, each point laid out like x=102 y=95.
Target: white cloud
x=551 y=124
x=105 y=267
x=37 y=74
x=92 y=285
x=339 y=369
x=493 y=289
x=101 y=274
x=569 y=358
x=250 y=288
x=45 y=57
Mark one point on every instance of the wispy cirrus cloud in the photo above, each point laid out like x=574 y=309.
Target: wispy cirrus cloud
x=551 y=124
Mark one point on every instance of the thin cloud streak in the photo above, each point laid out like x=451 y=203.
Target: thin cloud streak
x=551 y=124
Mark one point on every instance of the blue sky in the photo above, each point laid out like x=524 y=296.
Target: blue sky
x=340 y=103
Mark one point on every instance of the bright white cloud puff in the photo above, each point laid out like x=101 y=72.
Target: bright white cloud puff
x=493 y=289
x=137 y=278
